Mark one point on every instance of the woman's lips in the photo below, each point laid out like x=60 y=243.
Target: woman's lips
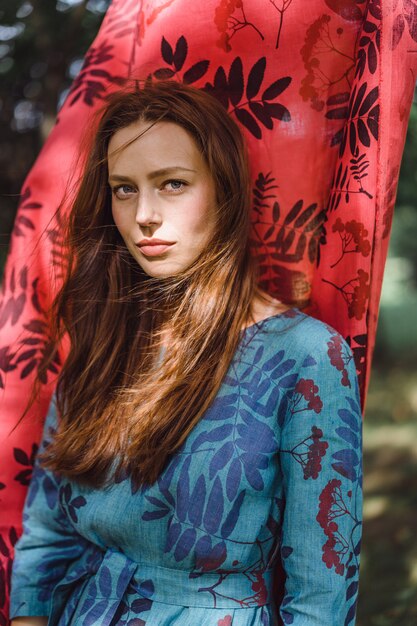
x=154 y=249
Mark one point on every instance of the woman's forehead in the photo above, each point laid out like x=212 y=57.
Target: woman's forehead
x=162 y=144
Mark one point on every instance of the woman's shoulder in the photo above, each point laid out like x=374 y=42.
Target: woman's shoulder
x=298 y=332
x=298 y=344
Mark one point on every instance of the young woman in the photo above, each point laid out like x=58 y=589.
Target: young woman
x=201 y=460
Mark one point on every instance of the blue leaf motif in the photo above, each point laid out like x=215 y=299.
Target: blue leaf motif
x=253 y=476
x=202 y=549
x=288 y=381
x=104 y=581
x=168 y=495
x=233 y=515
x=350 y=615
x=287 y=617
x=66 y=492
x=78 y=502
x=173 y=533
x=50 y=490
x=222 y=408
x=255 y=435
x=259 y=391
x=347 y=457
x=246 y=373
x=139 y=606
x=285 y=367
x=286 y=551
x=214 y=510
x=233 y=479
x=309 y=360
x=96 y=612
x=183 y=491
x=185 y=543
x=111 y=610
x=213 y=559
x=220 y=459
x=355 y=406
x=156 y=502
x=258 y=355
x=348 y=435
x=349 y=419
x=197 y=501
x=346 y=471
x=146 y=588
x=273 y=361
x=217 y=434
x=165 y=479
x=256 y=378
x=120 y=584
x=152 y=515
x=258 y=460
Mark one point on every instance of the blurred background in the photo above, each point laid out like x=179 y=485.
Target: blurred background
x=42 y=45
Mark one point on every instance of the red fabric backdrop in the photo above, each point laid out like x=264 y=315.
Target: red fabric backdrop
x=323 y=91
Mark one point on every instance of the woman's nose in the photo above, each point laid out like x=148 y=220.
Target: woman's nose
x=146 y=213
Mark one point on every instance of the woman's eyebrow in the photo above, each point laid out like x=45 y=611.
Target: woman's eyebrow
x=169 y=170
x=165 y=171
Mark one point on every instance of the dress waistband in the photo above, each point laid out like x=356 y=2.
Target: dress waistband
x=109 y=575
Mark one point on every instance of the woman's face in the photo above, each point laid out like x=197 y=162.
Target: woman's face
x=161 y=190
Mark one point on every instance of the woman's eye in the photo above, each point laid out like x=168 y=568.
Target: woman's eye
x=123 y=191
x=175 y=185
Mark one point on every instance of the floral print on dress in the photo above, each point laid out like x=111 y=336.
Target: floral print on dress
x=271 y=473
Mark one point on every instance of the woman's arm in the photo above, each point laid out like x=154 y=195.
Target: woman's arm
x=48 y=545
x=321 y=456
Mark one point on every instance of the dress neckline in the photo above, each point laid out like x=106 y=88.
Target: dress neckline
x=261 y=322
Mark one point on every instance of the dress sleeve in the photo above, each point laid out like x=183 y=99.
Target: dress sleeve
x=321 y=460
x=48 y=543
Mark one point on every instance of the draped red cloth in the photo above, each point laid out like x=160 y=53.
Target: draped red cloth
x=322 y=90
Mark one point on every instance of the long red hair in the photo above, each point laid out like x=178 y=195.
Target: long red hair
x=125 y=404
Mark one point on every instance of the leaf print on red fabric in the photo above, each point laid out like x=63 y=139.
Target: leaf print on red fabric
x=363 y=120
x=6 y=363
x=157 y=10
x=7 y=543
x=296 y=236
x=325 y=44
x=408 y=16
x=231 y=88
x=24 y=476
x=355 y=292
x=92 y=81
x=175 y=59
x=12 y=308
x=341 y=185
x=229 y=18
x=23 y=221
x=350 y=10
x=281 y=6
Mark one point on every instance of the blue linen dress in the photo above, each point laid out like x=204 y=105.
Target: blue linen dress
x=272 y=474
